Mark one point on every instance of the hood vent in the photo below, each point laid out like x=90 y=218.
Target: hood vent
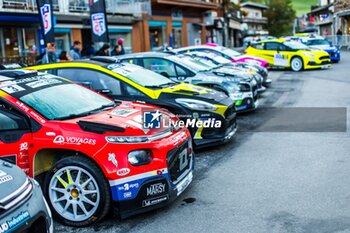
x=99 y=128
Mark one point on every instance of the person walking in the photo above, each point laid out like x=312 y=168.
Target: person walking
x=50 y=55
x=339 y=38
x=75 y=52
x=104 y=51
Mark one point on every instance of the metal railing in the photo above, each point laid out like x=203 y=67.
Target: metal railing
x=135 y=7
x=131 y=7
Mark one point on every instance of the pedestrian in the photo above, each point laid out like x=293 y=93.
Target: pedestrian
x=75 y=52
x=50 y=55
x=119 y=48
x=339 y=38
x=104 y=51
x=63 y=57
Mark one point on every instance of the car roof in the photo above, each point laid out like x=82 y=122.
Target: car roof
x=143 y=54
x=213 y=46
x=279 y=40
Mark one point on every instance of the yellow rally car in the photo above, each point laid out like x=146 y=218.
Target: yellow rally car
x=283 y=53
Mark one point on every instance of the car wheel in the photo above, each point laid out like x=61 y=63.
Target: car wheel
x=297 y=64
x=77 y=191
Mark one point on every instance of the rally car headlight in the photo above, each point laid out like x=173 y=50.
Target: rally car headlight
x=196 y=104
x=123 y=139
x=308 y=54
x=139 y=157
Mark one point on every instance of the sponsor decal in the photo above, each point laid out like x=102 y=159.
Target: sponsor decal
x=280 y=60
x=154 y=201
x=183 y=156
x=184 y=184
x=177 y=139
x=22 y=106
x=156 y=189
x=99 y=24
x=43 y=82
x=13 y=89
x=50 y=134
x=129 y=186
x=74 y=140
x=12 y=224
x=23 y=146
x=123 y=112
x=112 y=158
x=123 y=172
x=127 y=194
x=5 y=178
x=37 y=117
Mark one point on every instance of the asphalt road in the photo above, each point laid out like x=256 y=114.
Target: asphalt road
x=266 y=182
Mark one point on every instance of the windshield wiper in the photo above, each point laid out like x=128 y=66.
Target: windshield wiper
x=72 y=116
x=104 y=107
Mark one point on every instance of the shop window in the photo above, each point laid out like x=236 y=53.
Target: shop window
x=114 y=37
x=158 y=38
x=12 y=48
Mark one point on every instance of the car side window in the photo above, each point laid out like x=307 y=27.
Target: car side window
x=10 y=121
x=161 y=66
x=259 y=46
x=274 y=46
x=133 y=92
x=181 y=72
x=92 y=79
x=131 y=61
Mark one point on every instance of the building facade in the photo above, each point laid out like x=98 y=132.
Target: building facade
x=254 y=22
x=20 y=36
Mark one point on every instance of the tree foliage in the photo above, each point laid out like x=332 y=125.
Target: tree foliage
x=280 y=17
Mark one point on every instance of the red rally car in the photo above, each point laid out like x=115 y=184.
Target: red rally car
x=88 y=152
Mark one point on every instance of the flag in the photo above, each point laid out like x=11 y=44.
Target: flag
x=98 y=18
x=46 y=16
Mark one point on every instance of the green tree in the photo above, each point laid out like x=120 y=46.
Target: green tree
x=280 y=17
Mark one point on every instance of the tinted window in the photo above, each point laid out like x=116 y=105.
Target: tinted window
x=272 y=46
x=92 y=79
x=161 y=66
x=133 y=92
x=6 y=123
x=181 y=72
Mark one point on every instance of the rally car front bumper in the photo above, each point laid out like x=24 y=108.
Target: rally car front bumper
x=155 y=189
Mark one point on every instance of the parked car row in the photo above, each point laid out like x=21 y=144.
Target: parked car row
x=115 y=133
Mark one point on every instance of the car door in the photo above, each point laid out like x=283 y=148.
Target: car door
x=15 y=139
x=102 y=83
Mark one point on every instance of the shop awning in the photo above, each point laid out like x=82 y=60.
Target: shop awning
x=156 y=23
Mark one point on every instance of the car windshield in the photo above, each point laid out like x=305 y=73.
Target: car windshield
x=195 y=64
x=143 y=77
x=82 y=101
x=317 y=42
x=230 y=52
x=296 y=45
x=219 y=59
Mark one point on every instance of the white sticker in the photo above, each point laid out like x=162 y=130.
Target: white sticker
x=123 y=112
x=2 y=173
x=280 y=60
x=43 y=82
x=13 y=89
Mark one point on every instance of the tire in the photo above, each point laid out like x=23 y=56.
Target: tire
x=296 y=64
x=66 y=196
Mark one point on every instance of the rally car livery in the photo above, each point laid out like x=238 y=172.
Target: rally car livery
x=182 y=68
x=89 y=152
x=227 y=53
x=125 y=81
x=284 y=53
x=323 y=44
x=22 y=206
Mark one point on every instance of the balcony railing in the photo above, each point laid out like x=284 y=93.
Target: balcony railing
x=260 y=20
x=135 y=7
x=131 y=7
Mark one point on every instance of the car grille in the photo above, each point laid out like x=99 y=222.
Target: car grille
x=324 y=57
x=177 y=166
x=20 y=195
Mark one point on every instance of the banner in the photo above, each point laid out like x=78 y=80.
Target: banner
x=98 y=18
x=46 y=16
